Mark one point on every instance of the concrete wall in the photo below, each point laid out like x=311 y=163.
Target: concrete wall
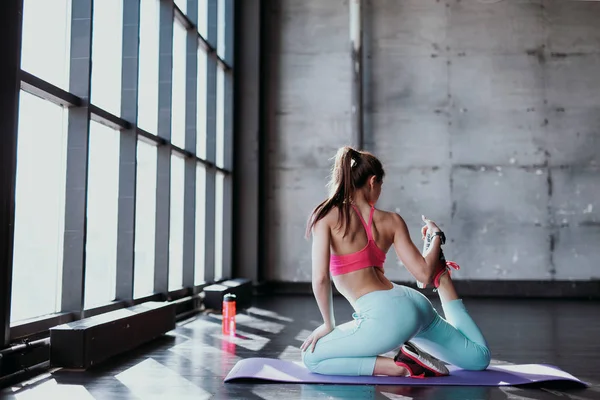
x=485 y=114
x=246 y=182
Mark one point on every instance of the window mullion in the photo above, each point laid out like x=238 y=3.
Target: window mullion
x=163 y=165
x=9 y=98
x=73 y=274
x=128 y=152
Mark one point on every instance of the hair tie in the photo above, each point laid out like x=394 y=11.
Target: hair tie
x=355 y=156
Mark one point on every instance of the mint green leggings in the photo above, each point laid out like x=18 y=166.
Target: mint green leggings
x=384 y=320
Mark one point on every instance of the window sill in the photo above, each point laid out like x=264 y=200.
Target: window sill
x=32 y=326
x=42 y=324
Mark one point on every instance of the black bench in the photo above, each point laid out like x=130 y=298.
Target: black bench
x=90 y=341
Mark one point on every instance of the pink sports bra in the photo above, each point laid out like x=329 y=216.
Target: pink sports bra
x=369 y=256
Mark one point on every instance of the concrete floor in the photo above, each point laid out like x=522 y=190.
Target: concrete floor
x=191 y=361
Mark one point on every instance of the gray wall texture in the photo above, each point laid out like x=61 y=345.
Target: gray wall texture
x=486 y=115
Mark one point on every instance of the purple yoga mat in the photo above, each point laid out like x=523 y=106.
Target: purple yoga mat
x=273 y=370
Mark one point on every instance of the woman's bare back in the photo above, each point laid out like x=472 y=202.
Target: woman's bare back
x=358 y=283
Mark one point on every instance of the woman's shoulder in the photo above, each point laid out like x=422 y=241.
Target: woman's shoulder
x=388 y=217
x=331 y=217
x=386 y=214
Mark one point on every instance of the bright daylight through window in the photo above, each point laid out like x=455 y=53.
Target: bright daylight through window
x=105 y=184
x=39 y=208
x=102 y=214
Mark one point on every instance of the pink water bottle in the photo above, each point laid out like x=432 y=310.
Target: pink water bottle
x=228 y=324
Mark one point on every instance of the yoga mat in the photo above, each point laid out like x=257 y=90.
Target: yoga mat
x=273 y=370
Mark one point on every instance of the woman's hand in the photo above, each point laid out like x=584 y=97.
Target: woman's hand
x=314 y=337
x=429 y=226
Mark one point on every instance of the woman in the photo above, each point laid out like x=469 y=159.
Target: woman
x=350 y=242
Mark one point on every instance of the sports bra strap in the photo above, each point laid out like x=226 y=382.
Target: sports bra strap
x=367 y=226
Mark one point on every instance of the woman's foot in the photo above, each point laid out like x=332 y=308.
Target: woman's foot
x=386 y=366
x=445 y=270
x=418 y=363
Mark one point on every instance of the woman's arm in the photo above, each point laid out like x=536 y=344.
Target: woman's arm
x=422 y=268
x=321 y=281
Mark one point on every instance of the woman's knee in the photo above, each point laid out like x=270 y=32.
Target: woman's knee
x=480 y=361
x=310 y=361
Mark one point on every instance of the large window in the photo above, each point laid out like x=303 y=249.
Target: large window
x=176 y=228
x=182 y=4
x=220 y=139
x=109 y=157
x=219 y=226
x=200 y=223
x=145 y=219
x=102 y=214
x=106 y=55
x=148 y=70
x=47 y=40
x=201 y=94
x=40 y=208
x=178 y=107
x=221 y=28
x=203 y=17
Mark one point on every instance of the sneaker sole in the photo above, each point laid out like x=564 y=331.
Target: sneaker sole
x=437 y=370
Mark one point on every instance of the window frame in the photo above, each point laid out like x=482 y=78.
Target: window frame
x=80 y=115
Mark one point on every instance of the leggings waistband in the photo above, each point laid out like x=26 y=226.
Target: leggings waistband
x=377 y=297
